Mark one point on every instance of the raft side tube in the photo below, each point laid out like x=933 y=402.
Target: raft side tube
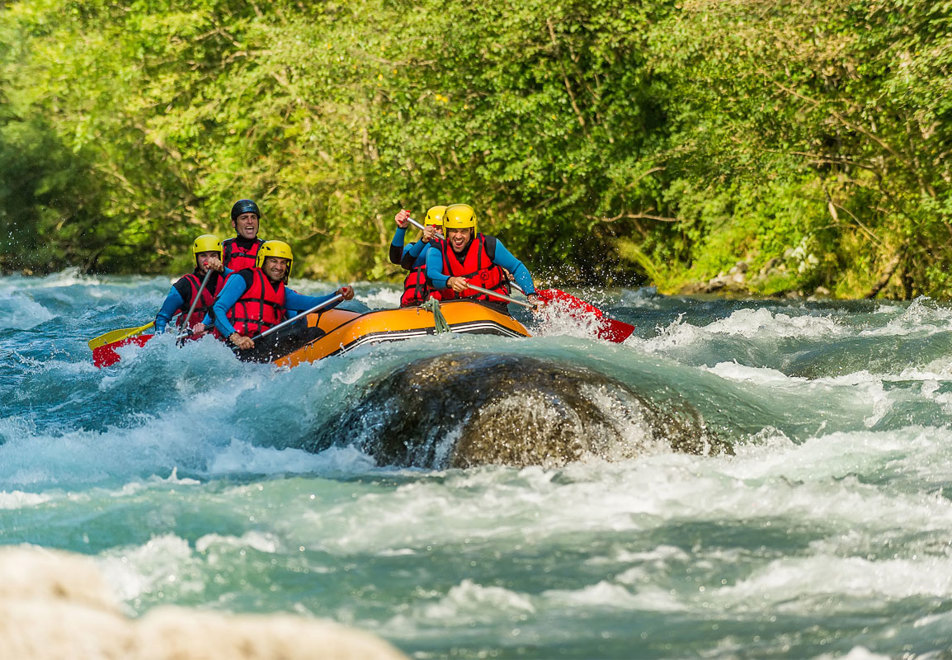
x=346 y=330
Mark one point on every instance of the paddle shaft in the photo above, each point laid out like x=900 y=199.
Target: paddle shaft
x=327 y=303
x=117 y=335
x=183 y=323
x=501 y=296
x=421 y=227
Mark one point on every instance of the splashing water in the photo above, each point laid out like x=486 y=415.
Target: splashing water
x=184 y=473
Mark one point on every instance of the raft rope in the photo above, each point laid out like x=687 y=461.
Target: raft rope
x=440 y=325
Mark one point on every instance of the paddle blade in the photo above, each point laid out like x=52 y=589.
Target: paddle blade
x=615 y=331
x=609 y=329
x=570 y=301
x=106 y=355
x=113 y=336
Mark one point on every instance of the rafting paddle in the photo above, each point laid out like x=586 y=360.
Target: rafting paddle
x=183 y=321
x=609 y=328
x=113 y=336
x=501 y=296
x=184 y=331
x=421 y=227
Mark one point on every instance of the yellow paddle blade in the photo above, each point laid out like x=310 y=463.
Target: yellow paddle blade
x=116 y=335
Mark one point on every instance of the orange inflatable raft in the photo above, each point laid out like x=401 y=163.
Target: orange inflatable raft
x=338 y=330
x=341 y=330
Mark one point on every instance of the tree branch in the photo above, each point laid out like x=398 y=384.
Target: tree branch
x=632 y=216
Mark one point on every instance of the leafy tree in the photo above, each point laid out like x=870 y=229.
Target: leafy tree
x=602 y=141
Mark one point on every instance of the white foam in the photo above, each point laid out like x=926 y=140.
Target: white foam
x=381 y=297
x=470 y=603
x=760 y=324
x=21 y=500
x=604 y=594
x=64 y=278
x=856 y=653
x=921 y=317
x=20 y=312
x=757 y=375
x=557 y=318
x=794 y=585
x=160 y=563
x=258 y=541
x=241 y=457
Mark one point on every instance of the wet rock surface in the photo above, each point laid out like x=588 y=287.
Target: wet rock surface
x=56 y=605
x=465 y=410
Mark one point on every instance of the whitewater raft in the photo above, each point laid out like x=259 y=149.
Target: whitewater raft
x=340 y=330
x=336 y=331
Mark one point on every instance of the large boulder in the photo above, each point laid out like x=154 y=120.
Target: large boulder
x=55 y=604
x=463 y=410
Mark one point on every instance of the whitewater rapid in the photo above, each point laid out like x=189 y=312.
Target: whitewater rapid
x=182 y=473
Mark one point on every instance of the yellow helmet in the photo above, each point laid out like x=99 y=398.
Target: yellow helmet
x=275 y=249
x=435 y=216
x=459 y=216
x=206 y=243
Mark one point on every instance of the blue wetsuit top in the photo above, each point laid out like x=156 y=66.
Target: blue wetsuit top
x=235 y=287
x=414 y=250
x=176 y=301
x=173 y=303
x=504 y=258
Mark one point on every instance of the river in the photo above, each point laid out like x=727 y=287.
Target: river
x=827 y=534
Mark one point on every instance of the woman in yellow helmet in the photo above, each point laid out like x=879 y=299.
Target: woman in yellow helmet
x=207 y=251
x=255 y=299
x=467 y=256
x=413 y=257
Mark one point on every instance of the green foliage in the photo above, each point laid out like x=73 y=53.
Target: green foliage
x=602 y=140
x=850 y=99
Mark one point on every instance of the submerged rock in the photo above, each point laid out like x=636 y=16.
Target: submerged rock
x=464 y=410
x=56 y=604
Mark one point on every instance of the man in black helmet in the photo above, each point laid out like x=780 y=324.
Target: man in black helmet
x=241 y=251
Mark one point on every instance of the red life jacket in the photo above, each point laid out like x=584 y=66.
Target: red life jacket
x=238 y=258
x=262 y=306
x=212 y=289
x=477 y=266
x=416 y=289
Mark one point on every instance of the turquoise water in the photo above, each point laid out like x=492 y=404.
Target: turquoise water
x=828 y=534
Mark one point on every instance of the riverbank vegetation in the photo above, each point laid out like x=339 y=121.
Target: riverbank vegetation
x=762 y=146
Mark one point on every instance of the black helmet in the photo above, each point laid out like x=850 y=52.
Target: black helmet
x=244 y=206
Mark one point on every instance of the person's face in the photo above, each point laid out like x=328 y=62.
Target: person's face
x=203 y=258
x=275 y=268
x=246 y=225
x=458 y=238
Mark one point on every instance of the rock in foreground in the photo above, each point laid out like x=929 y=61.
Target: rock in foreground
x=56 y=605
x=464 y=410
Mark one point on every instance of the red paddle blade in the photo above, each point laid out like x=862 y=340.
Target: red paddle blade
x=615 y=331
x=106 y=355
x=609 y=329
x=570 y=301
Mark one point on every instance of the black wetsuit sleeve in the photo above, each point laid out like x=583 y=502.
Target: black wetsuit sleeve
x=407 y=261
x=184 y=289
x=396 y=254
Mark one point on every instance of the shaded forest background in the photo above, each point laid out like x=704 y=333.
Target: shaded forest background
x=609 y=141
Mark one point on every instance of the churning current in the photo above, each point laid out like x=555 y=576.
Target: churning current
x=748 y=479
